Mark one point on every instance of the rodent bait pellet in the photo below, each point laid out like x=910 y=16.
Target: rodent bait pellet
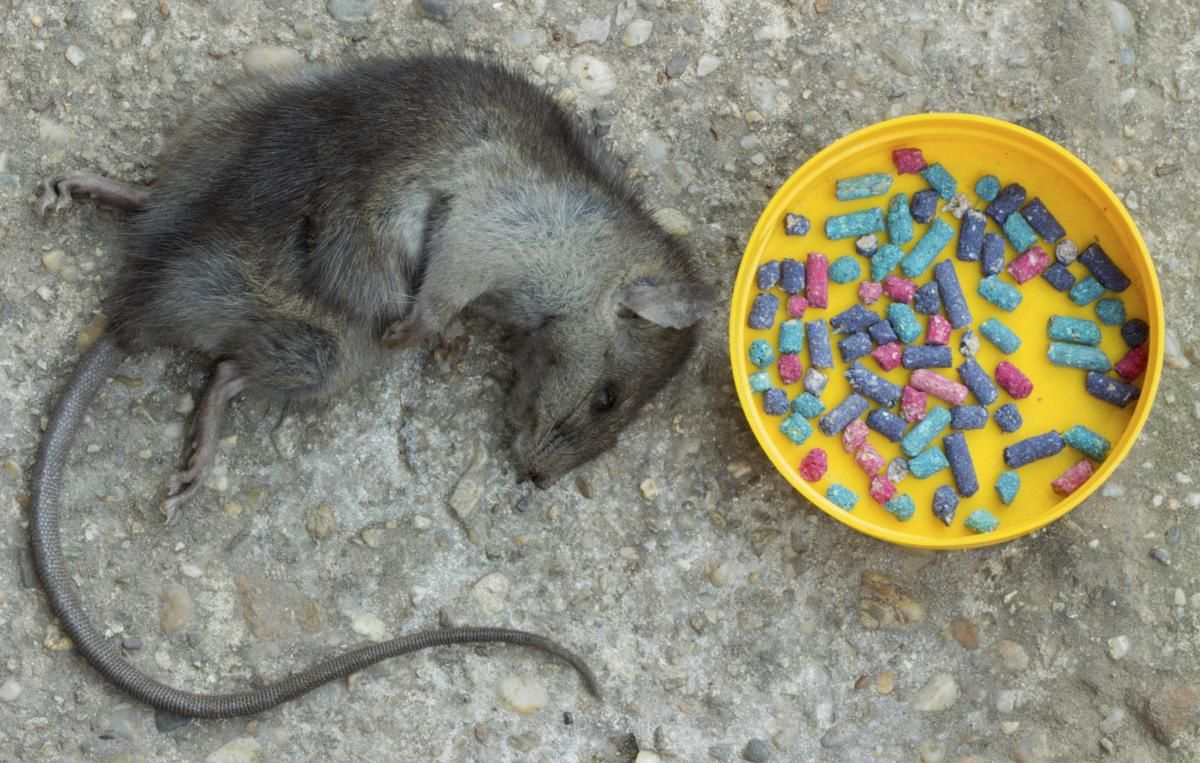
x=1078 y=356
x=762 y=354
x=1006 y=202
x=961 y=464
x=1008 y=484
x=981 y=521
x=762 y=312
x=820 y=352
x=889 y=356
x=929 y=463
x=1111 y=312
x=1110 y=390
x=964 y=417
x=955 y=303
x=1086 y=291
x=938 y=386
x=886 y=423
x=817 y=273
x=1042 y=221
x=1013 y=381
x=927 y=356
x=1105 y=270
x=1008 y=418
x=796 y=429
x=854 y=224
x=926 y=300
x=854 y=346
x=844 y=269
x=945 y=503
x=977 y=380
x=987 y=187
x=924 y=205
x=899 y=220
x=1086 y=441
x=919 y=437
x=1059 y=277
x=939 y=330
x=808 y=405
x=814 y=465
x=1064 y=328
x=863 y=186
x=791 y=277
x=903 y=322
x=856 y=318
x=1002 y=295
x=1073 y=478
x=940 y=180
x=767 y=275
x=1000 y=335
x=1033 y=449
x=796 y=225
x=842 y=496
x=843 y=413
x=871 y=385
x=885 y=260
x=927 y=249
x=992 y=255
x=970 y=236
x=908 y=161
x=791 y=336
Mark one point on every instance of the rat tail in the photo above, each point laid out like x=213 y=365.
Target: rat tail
x=97 y=364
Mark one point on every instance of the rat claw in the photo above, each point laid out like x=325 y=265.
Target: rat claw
x=52 y=198
x=405 y=333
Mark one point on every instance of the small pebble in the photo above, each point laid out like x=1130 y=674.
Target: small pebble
x=938 y=694
x=74 y=55
x=175 y=608
x=350 y=11
x=524 y=695
x=1066 y=252
x=636 y=33
x=368 y=625
x=756 y=751
x=1118 y=647
x=1161 y=555
x=266 y=60
x=10 y=690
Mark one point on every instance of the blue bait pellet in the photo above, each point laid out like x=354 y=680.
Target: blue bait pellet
x=1111 y=312
x=927 y=356
x=791 y=276
x=856 y=318
x=929 y=463
x=927 y=249
x=842 y=497
x=762 y=354
x=871 y=385
x=1064 y=328
x=926 y=300
x=987 y=187
x=767 y=275
x=1086 y=291
x=760 y=381
x=796 y=225
x=762 y=312
x=775 y=402
x=899 y=220
x=867 y=245
x=1000 y=335
x=1110 y=390
x=961 y=465
x=854 y=224
x=795 y=428
x=970 y=235
x=1086 y=441
x=820 y=352
x=968 y=417
x=854 y=346
x=1135 y=332
x=940 y=180
x=924 y=205
x=791 y=337
x=1059 y=276
x=1020 y=235
x=882 y=332
x=1007 y=485
x=1078 y=356
x=919 y=437
x=904 y=322
x=863 y=186
x=992 y=256
x=945 y=502
x=950 y=290
x=1040 y=219
x=1008 y=418
x=1001 y=294
x=886 y=423
x=844 y=269
x=978 y=381
x=888 y=256
x=901 y=507
x=981 y=521
x=1033 y=449
x=808 y=405
x=1105 y=270
x=842 y=414
x=1006 y=202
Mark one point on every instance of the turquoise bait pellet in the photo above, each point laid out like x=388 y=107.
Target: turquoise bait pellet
x=842 y=496
x=1111 y=312
x=928 y=463
x=886 y=258
x=987 y=187
x=1007 y=485
x=1001 y=294
x=940 y=180
x=760 y=381
x=1086 y=291
x=808 y=405
x=1020 y=234
x=1078 y=356
x=1087 y=441
x=1000 y=335
x=982 y=520
x=899 y=220
x=863 y=186
x=791 y=336
x=901 y=507
x=795 y=428
x=1064 y=328
x=844 y=269
x=928 y=248
x=919 y=437
x=904 y=321
x=762 y=354
x=854 y=224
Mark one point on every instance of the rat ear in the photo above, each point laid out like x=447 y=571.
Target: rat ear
x=673 y=305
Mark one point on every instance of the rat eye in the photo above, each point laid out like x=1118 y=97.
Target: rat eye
x=606 y=399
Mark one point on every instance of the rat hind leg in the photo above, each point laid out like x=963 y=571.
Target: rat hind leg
x=61 y=190
x=280 y=357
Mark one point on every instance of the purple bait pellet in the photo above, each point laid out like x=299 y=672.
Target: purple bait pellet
x=791 y=276
x=961 y=465
x=842 y=414
x=869 y=384
x=1033 y=449
x=970 y=235
x=1036 y=214
x=1006 y=202
x=762 y=312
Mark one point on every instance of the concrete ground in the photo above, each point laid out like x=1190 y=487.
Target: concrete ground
x=728 y=618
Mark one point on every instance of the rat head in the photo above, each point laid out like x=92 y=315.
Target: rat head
x=583 y=374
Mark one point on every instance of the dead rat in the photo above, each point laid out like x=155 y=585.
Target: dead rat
x=305 y=224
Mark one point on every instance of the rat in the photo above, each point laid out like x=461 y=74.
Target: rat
x=306 y=225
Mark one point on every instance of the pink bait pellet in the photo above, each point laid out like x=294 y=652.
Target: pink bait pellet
x=1013 y=381
x=870 y=460
x=889 y=355
x=899 y=289
x=1133 y=364
x=1072 y=478
x=796 y=305
x=912 y=404
x=939 y=330
x=939 y=386
x=813 y=467
x=791 y=370
x=817 y=269
x=869 y=292
x=1029 y=265
x=908 y=161
x=882 y=489
x=854 y=435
